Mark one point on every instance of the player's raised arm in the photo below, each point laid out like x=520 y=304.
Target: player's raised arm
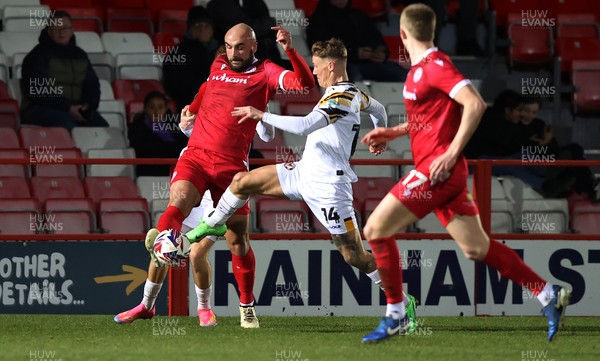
x=297 y=125
x=301 y=77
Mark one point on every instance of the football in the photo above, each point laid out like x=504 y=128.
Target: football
x=170 y=247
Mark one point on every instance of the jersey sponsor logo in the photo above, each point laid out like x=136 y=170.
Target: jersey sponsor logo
x=418 y=74
x=223 y=66
x=227 y=79
x=408 y=95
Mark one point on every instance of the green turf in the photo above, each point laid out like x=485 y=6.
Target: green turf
x=71 y=338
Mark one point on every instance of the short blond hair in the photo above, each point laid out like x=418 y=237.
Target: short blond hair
x=419 y=21
x=332 y=48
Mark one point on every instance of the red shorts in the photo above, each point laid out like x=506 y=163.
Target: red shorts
x=208 y=170
x=446 y=199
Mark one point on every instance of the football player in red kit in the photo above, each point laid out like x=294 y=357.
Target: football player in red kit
x=443 y=111
x=218 y=149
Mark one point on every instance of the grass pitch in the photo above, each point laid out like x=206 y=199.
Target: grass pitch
x=73 y=338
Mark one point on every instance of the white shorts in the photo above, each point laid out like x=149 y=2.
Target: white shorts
x=331 y=203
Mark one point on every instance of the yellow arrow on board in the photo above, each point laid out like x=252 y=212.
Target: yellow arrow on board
x=136 y=275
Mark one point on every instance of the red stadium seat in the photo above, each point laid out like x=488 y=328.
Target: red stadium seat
x=530 y=45
x=283 y=216
x=158 y=6
x=371 y=187
x=71 y=215
x=3 y=90
x=558 y=7
x=87 y=18
x=45 y=188
x=586 y=217
x=166 y=41
x=17 y=170
x=577 y=26
x=453 y=5
x=570 y=49
x=40 y=137
x=124 y=215
x=585 y=75
x=61 y=4
x=137 y=106
x=172 y=21
x=14 y=187
x=58 y=170
x=8 y=138
x=504 y=7
x=9 y=113
x=99 y=188
x=20 y=216
x=308 y=6
x=136 y=20
x=373 y=8
x=129 y=89
x=120 y=3
x=300 y=96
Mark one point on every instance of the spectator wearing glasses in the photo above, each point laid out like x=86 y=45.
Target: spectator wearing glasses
x=59 y=85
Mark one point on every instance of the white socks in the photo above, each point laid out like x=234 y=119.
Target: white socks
x=374 y=276
x=546 y=295
x=226 y=207
x=395 y=310
x=203 y=297
x=151 y=291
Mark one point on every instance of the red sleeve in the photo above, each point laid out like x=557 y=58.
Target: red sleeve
x=443 y=75
x=195 y=106
x=298 y=79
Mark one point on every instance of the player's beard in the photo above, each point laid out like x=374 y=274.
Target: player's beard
x=244 y=63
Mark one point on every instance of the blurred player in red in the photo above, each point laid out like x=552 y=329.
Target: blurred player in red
x=218 y=149
x=443 y=111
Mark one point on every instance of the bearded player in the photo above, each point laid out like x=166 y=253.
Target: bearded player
x=218 y=149
x=443 y=111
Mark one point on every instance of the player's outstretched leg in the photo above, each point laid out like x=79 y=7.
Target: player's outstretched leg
x=476 y=245
x=156 y=272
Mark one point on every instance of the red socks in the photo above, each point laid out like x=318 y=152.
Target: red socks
x=171 y=219
x=389 y=264
x=510 y=265
x=244 y=273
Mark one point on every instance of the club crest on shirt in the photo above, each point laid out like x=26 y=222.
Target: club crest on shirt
x=417 y=75
x=289 y=166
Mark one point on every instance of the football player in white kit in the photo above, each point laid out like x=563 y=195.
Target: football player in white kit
x=323 y=177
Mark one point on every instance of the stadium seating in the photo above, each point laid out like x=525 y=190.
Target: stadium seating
x=577 y=26
x=544 y=216
x=156 y=6
x=16 y=170
x=153 y=188
x=98 y=188
x=129 y=20
x=111 y=170
x=430 y=224
x=39 y=137
x=502 y=216
x=106 y=91
x=138 y=66
x=126 y=43
x=128 y=90
x=86 y=18
x=14 y=88
x=61 y=4
x=14 y=187
x=4 y=76
x=114 y=113
x=9 y=138
x=529 y=45
x=44 y=188
x=570 y=49
x=25 y=18
x=371 y=188
x=172 y=21
x=308 y=6
x=9 y=114
x=58 y=170
x=503 y=8
x=20 y=216
x=373 y=8
x=585 y=75
x=89 y=41
x=124 y=215
x=388 y=93
x=14 y=42
x=283 y=216
x=561 y=7
x=72 y=215
x=135 y=107
x=586 y=217
x=164 y=42
x=375 y=171
x=397 y=51
x=87 y=138
x=158 y=206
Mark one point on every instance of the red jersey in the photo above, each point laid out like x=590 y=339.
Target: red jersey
x=215 y=128
x=433 y=115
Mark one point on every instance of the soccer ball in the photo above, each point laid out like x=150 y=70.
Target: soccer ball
x=170 y=247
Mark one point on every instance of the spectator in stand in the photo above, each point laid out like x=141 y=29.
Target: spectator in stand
x=187 y=66
x=501 y=135
x=155 y=134
x=367 y=52
x=540 y=134
x=227 y=13
x=59 y=85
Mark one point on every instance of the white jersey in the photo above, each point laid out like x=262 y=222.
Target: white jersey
x=328 y=150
